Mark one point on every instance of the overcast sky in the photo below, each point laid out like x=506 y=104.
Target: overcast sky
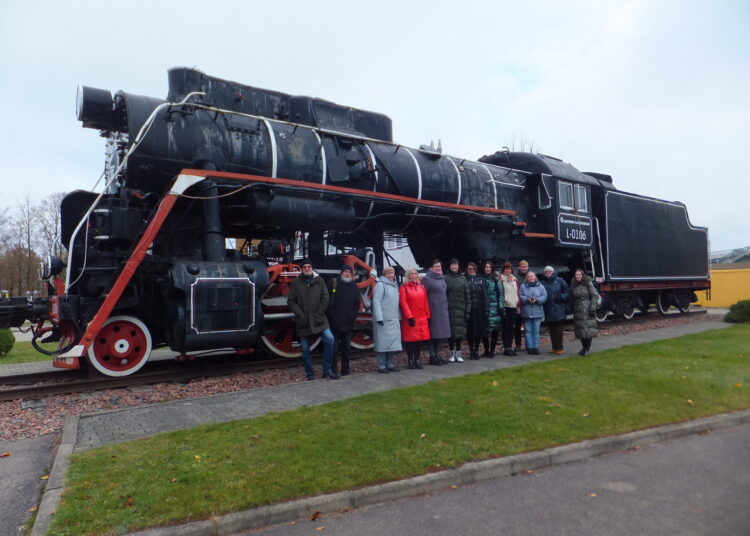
x=654 y=93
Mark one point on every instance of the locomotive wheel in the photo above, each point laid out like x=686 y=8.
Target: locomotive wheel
x=628 y=311
x=662 y=302
x=280 y=335
x=601 y=314
x=683 y=303
x=362 y=338
x=121 y=347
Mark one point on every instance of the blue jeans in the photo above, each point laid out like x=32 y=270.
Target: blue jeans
x=385 y=360
x=327 y=353
x=532 y=326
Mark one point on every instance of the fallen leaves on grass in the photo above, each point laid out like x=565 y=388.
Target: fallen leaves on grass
x=45 y=477
x=586 y=414
x=690 y=402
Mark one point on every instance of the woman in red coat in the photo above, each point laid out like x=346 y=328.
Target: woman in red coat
x=415 y=315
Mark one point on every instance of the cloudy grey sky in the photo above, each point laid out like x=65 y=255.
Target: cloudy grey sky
x=654 y=93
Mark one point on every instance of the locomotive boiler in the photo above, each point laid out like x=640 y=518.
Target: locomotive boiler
x=211 y=194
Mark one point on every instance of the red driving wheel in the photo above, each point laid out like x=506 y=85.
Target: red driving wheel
x=121 y=347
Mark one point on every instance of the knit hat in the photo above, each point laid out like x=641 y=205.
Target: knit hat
x=347 y=267
x=454 y=261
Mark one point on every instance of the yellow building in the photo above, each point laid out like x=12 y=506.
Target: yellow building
x=730 y=283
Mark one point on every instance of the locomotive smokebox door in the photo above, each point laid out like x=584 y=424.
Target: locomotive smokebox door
x=220 y=304
x=215 y=305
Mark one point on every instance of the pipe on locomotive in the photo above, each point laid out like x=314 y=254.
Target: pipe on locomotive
x=87 y=107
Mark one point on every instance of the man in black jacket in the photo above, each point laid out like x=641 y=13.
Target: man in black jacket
x=308 y=300
x=342 y=312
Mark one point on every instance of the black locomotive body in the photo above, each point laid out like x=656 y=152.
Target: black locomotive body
x=148 y=258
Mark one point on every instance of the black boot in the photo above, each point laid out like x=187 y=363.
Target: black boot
x=417 y=364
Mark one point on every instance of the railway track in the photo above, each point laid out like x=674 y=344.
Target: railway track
x=56 y=383
x=37 y=385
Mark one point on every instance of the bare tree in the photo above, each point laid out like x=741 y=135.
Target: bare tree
x=18 y=269
x=48 y=224
x=519 y=143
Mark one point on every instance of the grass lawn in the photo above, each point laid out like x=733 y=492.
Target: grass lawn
x=23 y=352
x=215 y=469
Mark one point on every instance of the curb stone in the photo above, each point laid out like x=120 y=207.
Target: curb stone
x=467 y=474
x=56 y=482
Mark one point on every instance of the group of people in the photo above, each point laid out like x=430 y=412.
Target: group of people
x=479 y=304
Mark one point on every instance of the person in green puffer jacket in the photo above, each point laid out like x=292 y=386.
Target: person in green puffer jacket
x=459 y=306
x=496 y=304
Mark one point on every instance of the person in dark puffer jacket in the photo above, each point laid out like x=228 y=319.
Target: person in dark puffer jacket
x=555 y=308
x=495 y=308
x=477 y=325
x=342 y=311
x=459 y=306
x=585 y=302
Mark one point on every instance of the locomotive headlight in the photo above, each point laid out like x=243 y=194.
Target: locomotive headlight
x=51 y=266
x=94 y=108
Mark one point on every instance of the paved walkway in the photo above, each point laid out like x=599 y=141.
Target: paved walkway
x=691 y=486
x=125 y=424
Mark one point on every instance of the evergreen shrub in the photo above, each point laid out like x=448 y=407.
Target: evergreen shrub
x=6 y=341
x=739 y=312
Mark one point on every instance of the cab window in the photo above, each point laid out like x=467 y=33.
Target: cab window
x=565 y=194
x=582 y=200
x=545 y=200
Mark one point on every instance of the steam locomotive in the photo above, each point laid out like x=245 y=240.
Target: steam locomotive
x=211 y=194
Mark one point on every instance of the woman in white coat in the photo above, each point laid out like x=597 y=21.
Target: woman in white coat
x=386 y=328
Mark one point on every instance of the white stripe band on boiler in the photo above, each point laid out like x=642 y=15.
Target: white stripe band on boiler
x=322 y=158
x=419 y=176
x=374 y=166
x=271 y=134
x=458 y=179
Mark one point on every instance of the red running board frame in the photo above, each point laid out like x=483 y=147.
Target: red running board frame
x=185 y=180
